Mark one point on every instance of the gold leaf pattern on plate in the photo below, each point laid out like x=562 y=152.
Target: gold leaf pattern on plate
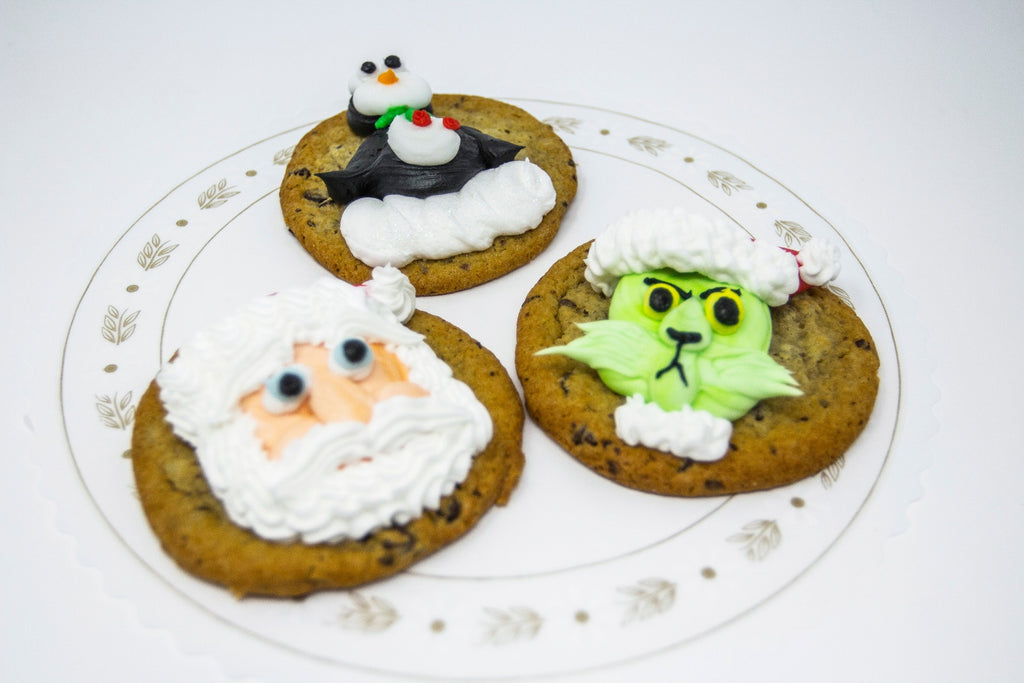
x=563 y=124
x=155 y=253
x=648 y=144
x=114 y=412
x=515 y=623
x=792 y=233
x=216 y=195
x=369 y=615
x=843 y=295
x=282 y=156
x=830 y=475
x=759 y=538
x=727 y=182
x=648 y=598
x=118 y=326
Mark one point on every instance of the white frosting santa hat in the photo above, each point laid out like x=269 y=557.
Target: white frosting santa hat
x=650 y=239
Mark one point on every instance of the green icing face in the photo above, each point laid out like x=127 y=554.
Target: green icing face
x=684 y=339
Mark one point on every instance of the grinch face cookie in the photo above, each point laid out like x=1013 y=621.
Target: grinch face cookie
x=454 y=195
x=676 y=356
x=285 y=449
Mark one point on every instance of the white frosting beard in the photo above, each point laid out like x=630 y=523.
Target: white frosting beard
x=322 y=490
x=507 y=200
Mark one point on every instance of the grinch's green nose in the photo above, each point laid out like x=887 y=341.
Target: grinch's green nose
x=686 y=326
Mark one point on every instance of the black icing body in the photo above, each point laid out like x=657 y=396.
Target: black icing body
x=365 y=124
x=376 y=171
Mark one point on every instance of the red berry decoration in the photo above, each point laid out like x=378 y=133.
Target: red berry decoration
x=421 y=118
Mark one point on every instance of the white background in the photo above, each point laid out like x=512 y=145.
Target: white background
x=902 y=119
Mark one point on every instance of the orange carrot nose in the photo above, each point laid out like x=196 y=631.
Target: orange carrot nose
x=388 y=77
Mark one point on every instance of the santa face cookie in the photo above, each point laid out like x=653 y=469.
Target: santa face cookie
x=683 y=360
x=312 y=426
x=453 y=198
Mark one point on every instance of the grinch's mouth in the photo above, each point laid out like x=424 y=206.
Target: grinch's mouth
x=680 y=338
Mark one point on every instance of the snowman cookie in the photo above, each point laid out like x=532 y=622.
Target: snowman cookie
x=455 y=192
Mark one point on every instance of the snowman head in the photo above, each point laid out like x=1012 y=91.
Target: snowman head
x=379 y=86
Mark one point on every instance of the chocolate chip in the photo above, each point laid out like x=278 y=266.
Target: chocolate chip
x=568 y=303
x=450 y=509
x=582 y=434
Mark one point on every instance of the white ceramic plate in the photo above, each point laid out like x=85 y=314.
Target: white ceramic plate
x=576 y=572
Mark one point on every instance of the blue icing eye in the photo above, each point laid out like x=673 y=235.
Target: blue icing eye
x=352 y=358
x=286 y=389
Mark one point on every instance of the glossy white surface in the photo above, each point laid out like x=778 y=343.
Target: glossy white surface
x=898 y=124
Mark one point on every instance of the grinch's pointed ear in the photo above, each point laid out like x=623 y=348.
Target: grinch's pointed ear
x=609 y=345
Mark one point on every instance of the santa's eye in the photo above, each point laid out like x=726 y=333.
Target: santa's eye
x=723 y=309
x=368 y=68
x=286 y=389
x=392 y=62
x=352 y=358
x=660 y=299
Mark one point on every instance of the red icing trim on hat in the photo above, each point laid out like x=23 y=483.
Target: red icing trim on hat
x=796 y=254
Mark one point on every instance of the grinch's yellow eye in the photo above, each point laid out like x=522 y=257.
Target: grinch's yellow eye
x=660 y=299
x=723 y=309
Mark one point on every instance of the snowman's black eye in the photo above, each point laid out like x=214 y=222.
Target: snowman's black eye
x=392 y=62
x=286 y=389
x=368 y=68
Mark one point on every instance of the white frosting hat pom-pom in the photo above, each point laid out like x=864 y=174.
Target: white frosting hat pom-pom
x=819 y=262
x=391 y=289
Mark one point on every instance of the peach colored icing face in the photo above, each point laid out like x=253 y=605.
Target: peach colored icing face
x=331 y=398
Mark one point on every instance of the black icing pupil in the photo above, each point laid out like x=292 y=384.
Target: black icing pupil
x=660 y=299
x=291 y=385
x=368 y=67
x=392 y=62
x=354 y=351
x=727 y=311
